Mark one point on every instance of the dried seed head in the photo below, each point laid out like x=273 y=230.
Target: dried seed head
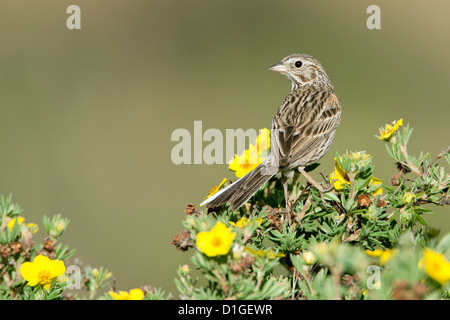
x=49 y=244
x=5 y=251
x=381 y=203
x=364 y=201
x=182 y=240
x=236 y=267
x=395 y=180
x=190 y=210
x=15 y=247
x=50 y=255
x=10 y=249
x=243 y=264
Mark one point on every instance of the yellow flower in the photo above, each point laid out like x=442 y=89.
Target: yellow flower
x=42 y=271
x=436 y=266
x=384 y=255
x=339 y=177
x=376 y=182
x=216 y=242
x=263 y=141
x=32 y=226
x=134 y=294
x=12 y=222
x=59 y=225
x=214 y=189
x=251 y=157
x=408 y=198
x=389 y=130
x=374 y=253
x=359 y=156
x=245 y=163
x=243 y=222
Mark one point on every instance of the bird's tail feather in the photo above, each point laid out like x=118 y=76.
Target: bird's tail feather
x=241 y=190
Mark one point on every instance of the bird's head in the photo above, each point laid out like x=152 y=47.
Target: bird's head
x=302 y=70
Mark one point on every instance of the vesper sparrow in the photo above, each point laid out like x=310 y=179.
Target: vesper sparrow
x=302 y=130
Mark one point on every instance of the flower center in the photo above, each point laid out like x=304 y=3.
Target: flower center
x=248 y=163
x=216 y=241
x=435 y=266
x=245 y=165
x=44 y=276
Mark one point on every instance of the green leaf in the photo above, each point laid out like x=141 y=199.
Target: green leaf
x=420 y=219
x=331 y=196
x=46 y=223
x=297 y=261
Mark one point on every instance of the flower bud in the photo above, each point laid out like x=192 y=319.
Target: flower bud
x=309 y=257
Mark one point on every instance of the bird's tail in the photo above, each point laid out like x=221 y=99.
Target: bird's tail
x=241 y=190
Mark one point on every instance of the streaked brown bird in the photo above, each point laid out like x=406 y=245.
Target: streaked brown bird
x=302 y=131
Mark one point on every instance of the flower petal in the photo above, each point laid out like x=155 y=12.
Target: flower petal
x=29 y=273
x=114 y=295
x=41 y=260
x=136 y=294
x=57 y=268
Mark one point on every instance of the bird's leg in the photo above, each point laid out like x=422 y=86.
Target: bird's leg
x=314 y=183
x=284 y=180
x=310 y=179
x=329 y=186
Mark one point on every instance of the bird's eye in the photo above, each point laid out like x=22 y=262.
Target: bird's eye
x=298 y=64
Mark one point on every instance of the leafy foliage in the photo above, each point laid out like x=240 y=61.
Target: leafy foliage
x=362 y=239
x=17 y=247
x=353 y=242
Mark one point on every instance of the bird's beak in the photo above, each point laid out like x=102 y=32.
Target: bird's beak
x=279 y=67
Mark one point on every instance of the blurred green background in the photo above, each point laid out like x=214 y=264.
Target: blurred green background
x=86 y=115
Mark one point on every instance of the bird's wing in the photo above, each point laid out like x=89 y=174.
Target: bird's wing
x=304 y=121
